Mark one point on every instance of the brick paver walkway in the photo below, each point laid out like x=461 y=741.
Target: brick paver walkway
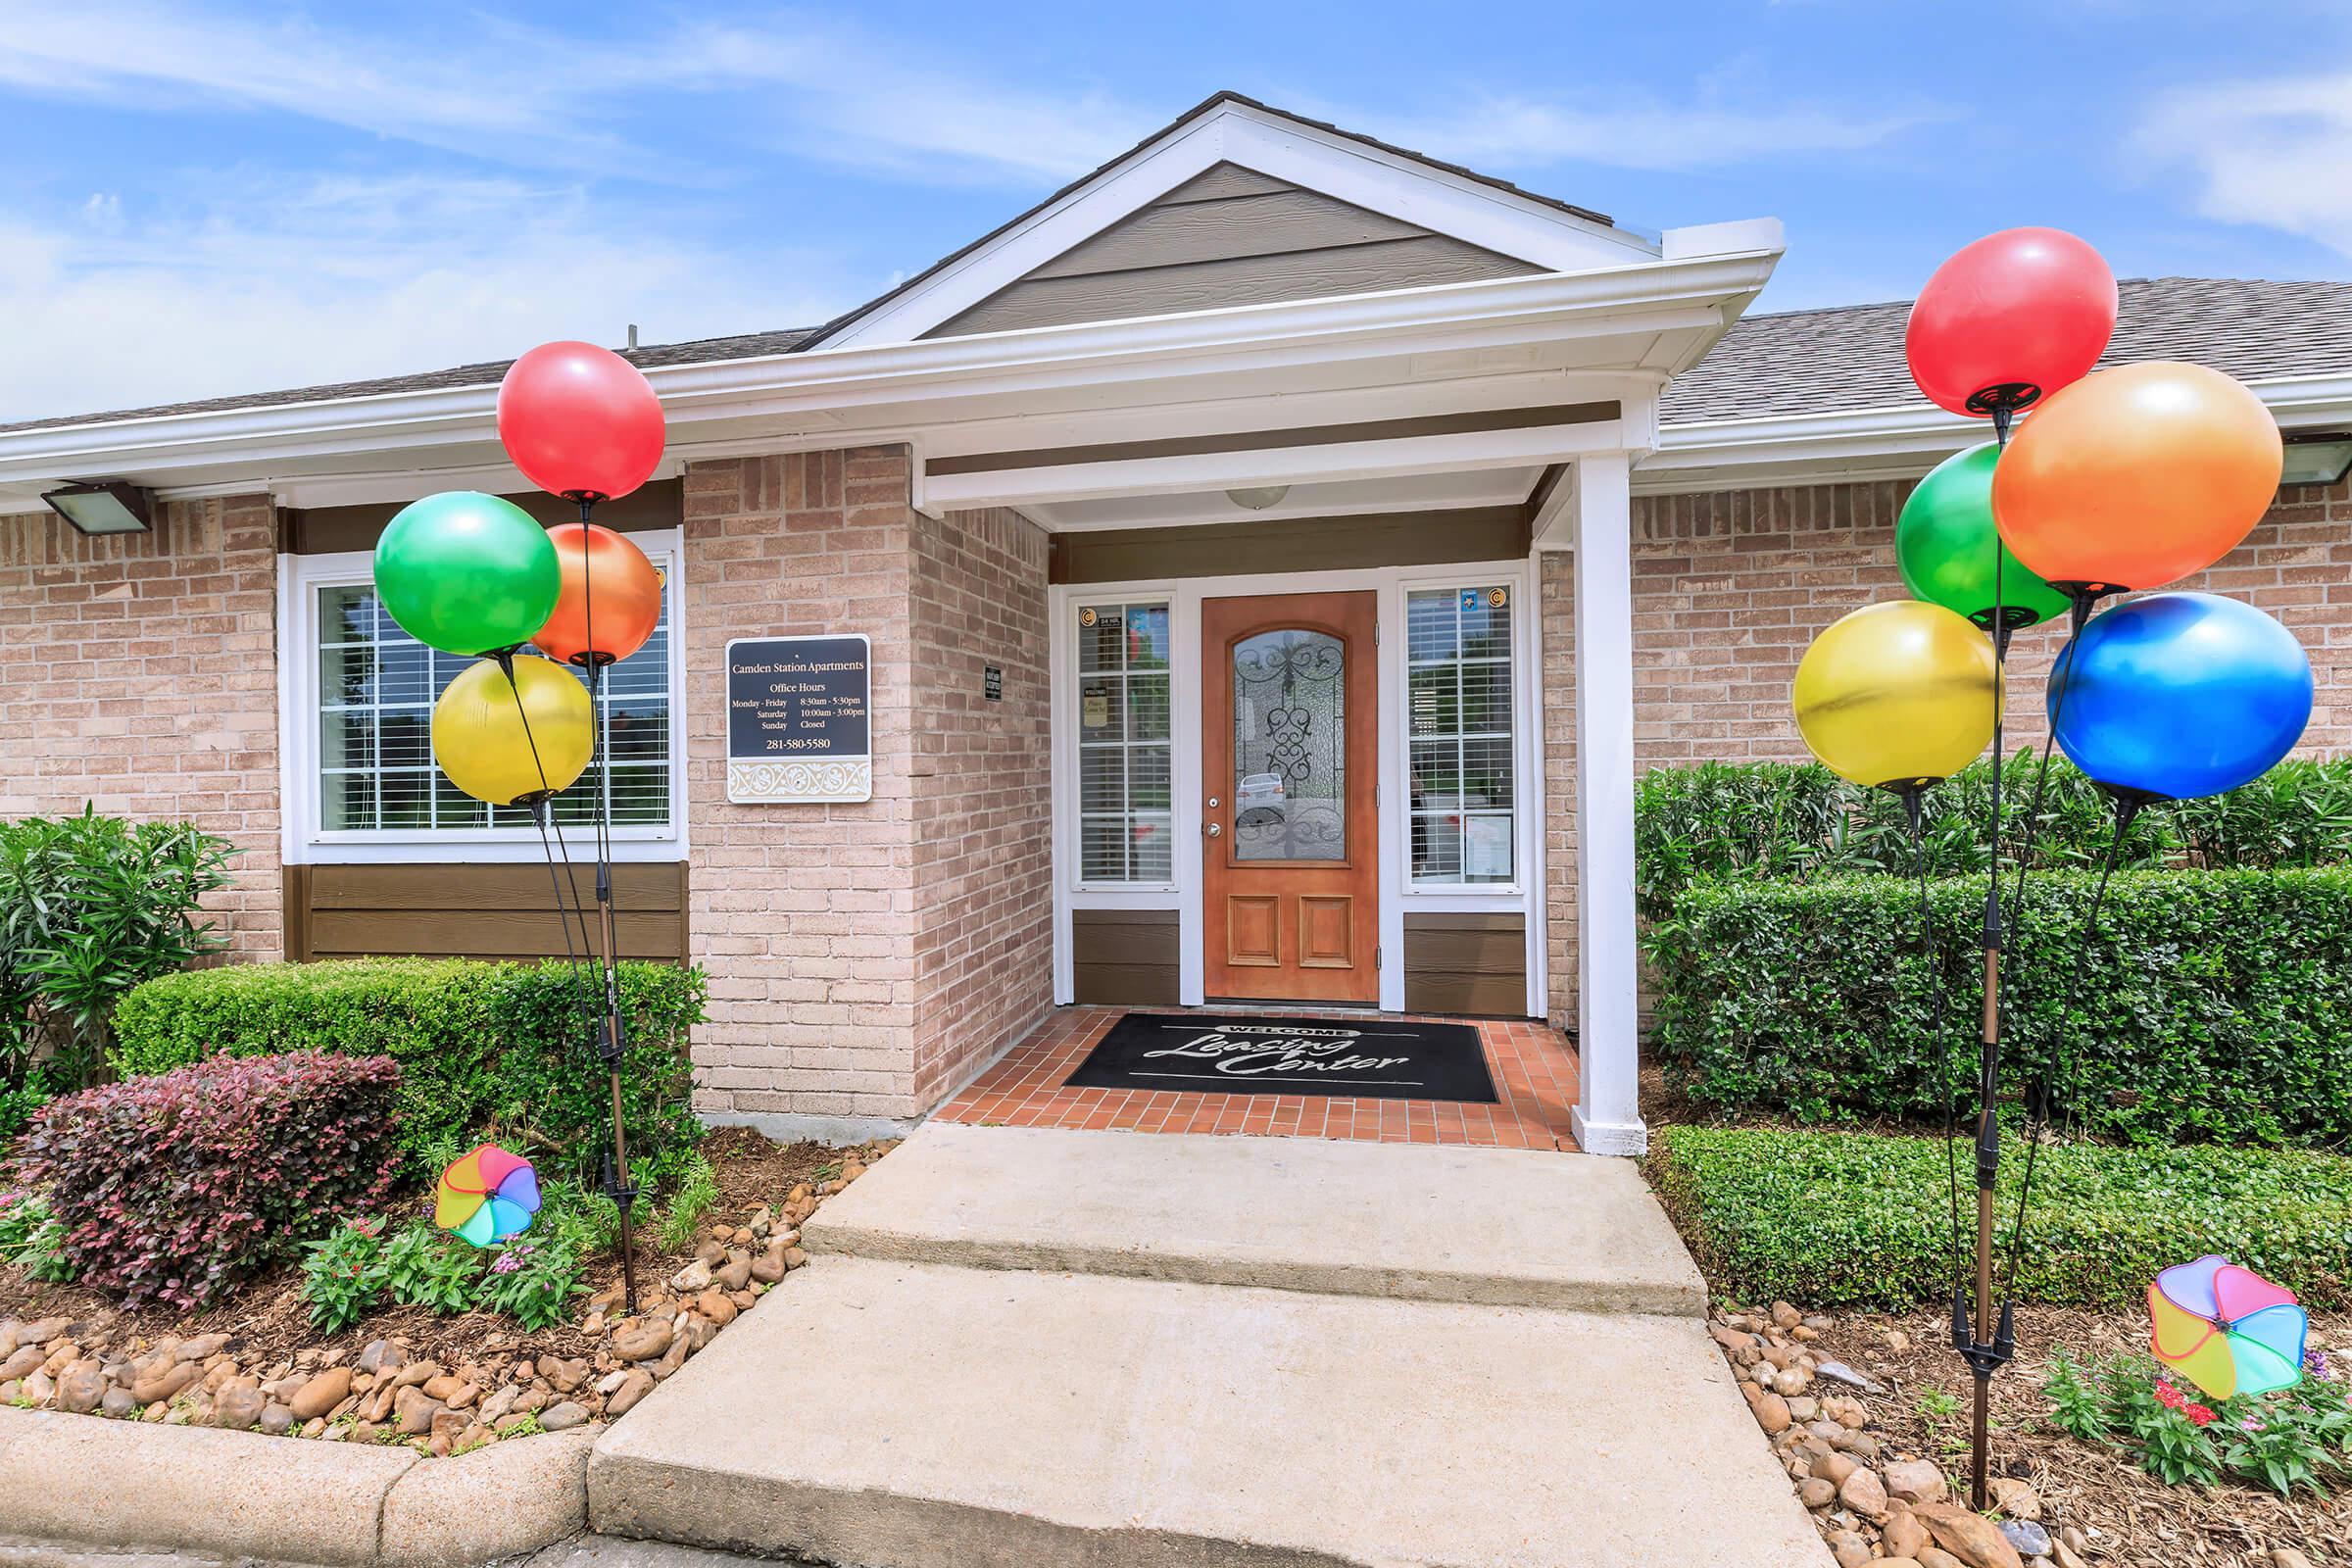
x=1532 y=1065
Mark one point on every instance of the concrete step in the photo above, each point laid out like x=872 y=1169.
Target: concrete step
x=909 y=1415
x=1500 y=1227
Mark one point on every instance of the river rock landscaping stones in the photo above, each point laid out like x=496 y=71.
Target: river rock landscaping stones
x=439 y=1385
x=1883 y=1413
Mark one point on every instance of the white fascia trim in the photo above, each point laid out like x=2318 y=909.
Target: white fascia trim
x=1327 y=163
x=821 y=390
x=1885 y=442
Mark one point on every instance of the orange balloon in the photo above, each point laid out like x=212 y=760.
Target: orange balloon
x=605 y=572
x=2138 y=476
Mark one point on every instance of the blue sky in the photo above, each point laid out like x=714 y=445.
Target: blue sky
x=208 y=198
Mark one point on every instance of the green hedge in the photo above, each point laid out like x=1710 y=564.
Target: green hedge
x=482 y=1048
x=1853 y=1220
x=1786 y=821
x=2214 y=1006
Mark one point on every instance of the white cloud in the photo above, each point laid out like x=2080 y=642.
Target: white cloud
x=2276 y=153
x=278 y=284
x=1505 y=132
x=523 y=96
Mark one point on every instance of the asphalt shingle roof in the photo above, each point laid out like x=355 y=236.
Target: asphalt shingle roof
x=488 y=373
x=1851 y=357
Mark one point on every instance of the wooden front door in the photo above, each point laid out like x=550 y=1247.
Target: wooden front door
x=1290 y=720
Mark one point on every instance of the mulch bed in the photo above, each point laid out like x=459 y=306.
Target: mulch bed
x=267 y=1323
x=2139 y=1520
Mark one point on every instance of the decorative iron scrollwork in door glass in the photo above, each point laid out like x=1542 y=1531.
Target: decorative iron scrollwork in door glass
x=1289 y=745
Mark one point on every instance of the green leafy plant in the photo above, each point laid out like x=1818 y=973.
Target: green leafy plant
x=486 y=1049
x=32 y=1239
x=343 y=1273
x=2273 y=1447
x=2077 y=1403
x=2214 y=1006
x=696 y=1190
x=1939 y=1403
x=90 y=906
x=533 y=1281
x=1839 y=1219
x=424 y=1265
x=2168 y=1429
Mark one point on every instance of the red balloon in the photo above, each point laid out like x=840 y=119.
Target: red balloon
x=580 y=422
x=612 y=596
x=2027 y=308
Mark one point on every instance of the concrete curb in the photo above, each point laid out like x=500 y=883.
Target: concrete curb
x=125 y=1484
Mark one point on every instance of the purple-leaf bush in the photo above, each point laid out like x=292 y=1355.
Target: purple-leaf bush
x=178 y=1187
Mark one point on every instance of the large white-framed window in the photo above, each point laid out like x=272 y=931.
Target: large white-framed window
x=357 y=694
x=1126 y=749
x=1462 y=736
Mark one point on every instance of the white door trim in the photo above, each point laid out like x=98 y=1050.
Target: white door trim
x=1183 y=893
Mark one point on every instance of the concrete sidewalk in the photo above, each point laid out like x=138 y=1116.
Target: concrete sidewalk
x=1503 y=1227
x=1047 y=1357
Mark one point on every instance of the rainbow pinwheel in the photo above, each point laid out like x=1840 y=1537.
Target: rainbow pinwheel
x=2226 y=1328
x=487 y=1197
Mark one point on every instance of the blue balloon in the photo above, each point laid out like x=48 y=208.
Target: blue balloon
x=2181 y=695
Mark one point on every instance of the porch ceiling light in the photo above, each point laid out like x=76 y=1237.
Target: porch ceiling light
x=1257 y=497
x=2317 y=461
x=108 y=507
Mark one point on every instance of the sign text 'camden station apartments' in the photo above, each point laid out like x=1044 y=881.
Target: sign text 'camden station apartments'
x=799 y=720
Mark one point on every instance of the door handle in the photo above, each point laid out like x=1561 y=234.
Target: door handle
x=1214 y=830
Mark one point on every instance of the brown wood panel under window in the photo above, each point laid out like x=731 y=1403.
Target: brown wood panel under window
x=1124 y=957
x=473 y=911
x=1469 y=963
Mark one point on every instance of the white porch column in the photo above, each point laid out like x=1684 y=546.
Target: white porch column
x=1608 y=1114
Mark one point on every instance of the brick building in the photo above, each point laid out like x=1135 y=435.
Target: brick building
x=1276 y=555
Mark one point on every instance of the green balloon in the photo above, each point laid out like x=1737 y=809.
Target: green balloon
x=467 y=572
x=1944 y=544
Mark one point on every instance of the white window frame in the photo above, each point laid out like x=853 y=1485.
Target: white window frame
x=304 y=842
x=1183 y=597
x=1465 y=896
x=1079 y=878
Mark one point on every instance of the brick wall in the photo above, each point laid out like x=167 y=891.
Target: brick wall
x=1731 y=586
x=804 y=915
x=863 y=959
x=138 y=672
x=982 y=805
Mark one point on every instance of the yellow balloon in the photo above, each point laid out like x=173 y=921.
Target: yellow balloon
x=480 y=739
x=1896 y=694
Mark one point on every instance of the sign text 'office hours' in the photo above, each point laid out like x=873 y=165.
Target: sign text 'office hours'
x=798 y=719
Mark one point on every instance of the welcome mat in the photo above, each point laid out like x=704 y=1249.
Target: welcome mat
x=1379 y=1059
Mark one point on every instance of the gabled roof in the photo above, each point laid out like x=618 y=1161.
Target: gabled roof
x=1207 y=104
x=1850 y=357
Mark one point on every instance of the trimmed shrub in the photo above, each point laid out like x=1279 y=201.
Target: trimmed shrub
x=1854 y=1220
x=2212 y=1006
x=484 y=1049
x=177 y=1187
x=1789 y=821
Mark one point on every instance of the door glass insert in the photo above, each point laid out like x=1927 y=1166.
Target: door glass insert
x=1289 y=745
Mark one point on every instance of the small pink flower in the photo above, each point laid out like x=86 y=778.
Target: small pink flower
x=2250 y=1424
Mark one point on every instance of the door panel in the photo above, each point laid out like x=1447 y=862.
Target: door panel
x=1290 y=846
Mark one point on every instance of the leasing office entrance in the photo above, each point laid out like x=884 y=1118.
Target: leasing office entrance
x=1303 y=788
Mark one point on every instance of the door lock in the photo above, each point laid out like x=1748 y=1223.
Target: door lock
x=1212 y=802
